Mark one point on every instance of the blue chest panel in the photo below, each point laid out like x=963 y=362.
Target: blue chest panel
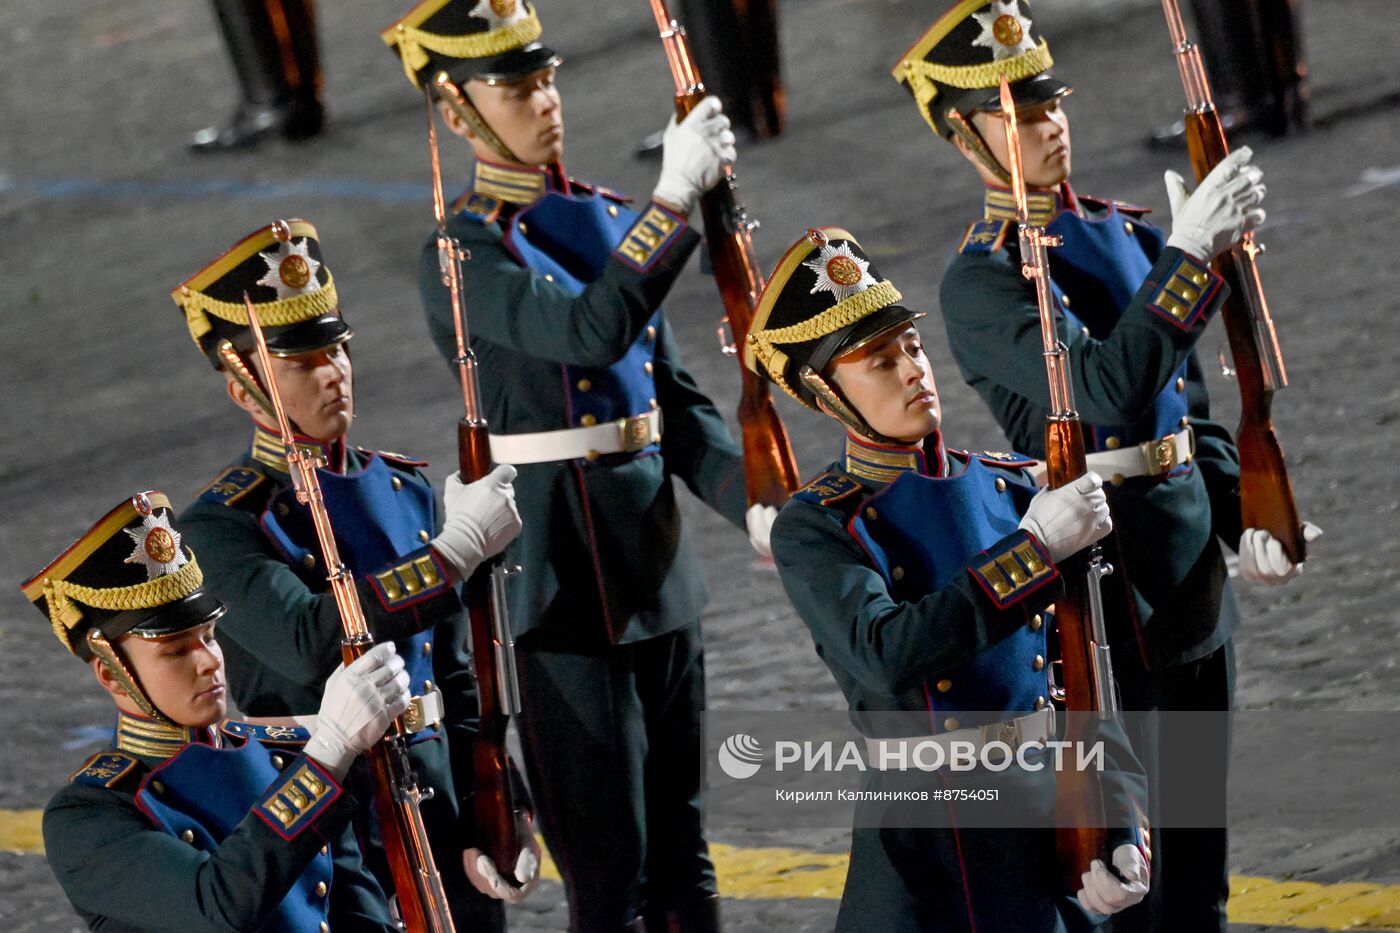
x=203 y=792
x=379 y=514
x=1099 y=268
x=922 y=535
x=571 y=238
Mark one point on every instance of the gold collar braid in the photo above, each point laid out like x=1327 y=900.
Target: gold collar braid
x=414 y=44
x=64 y=598
x=842 y=314
x=921 y=75
x=198 y=306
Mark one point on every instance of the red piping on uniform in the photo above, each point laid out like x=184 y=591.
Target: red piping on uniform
x=593 y=553
x=962 y=863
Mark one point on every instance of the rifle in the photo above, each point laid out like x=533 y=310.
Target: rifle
x=493 y=648
x=1086 y=668
x=1266 y=492
x=770 y=469
x=397 y=796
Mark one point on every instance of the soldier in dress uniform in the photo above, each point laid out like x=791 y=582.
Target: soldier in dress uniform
x=272 y=44
x=405 y=550
x=189 y=821
x=925 y=575
x=1133 y=303
x=584 y=391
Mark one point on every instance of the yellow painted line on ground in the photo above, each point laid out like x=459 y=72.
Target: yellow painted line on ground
x=773 y=873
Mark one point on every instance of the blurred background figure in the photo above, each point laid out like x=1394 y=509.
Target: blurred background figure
x=273 y=47
x=1253 y=51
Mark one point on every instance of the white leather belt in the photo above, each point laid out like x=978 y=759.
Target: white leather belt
x=625 y=435
x=1150 y=458
x=1035 y=728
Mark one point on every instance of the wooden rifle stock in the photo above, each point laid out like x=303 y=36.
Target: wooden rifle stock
x=1086 y=671
x=1266 y=492
x=421 y=897
x=494 y=808
x=770 y=469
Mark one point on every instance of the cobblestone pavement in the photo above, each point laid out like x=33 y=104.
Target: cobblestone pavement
x=103 y=212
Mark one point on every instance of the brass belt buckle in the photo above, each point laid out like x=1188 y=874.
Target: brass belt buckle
x=423 y=712
x=1161 y=456
x=636 y=433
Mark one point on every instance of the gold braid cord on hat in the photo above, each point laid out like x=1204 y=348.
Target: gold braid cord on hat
x=198 y=306
x=65 y=598
x=921 y=75
x=842 y=314
x=414 y=44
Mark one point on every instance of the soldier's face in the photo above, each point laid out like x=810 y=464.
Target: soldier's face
x=182 y=674
x=1045 y=146
x=890 y=382
x=317 y=392
x=526 y=114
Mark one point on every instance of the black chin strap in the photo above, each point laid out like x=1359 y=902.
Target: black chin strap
x=839 y=408
x=462 y=106
x=110 y=657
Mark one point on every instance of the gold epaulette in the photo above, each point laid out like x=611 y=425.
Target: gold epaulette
x=233 y=486
x=478 y=206
x=984 y=236
x=1002 y=459
x=106 y=769
x=827 y=489
x=402 y=461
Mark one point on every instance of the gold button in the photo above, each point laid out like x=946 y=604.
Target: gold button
x=158 y=787
x=897 y=573
x=592 y=455
x=945 y=685
x=584 y=385
x=1117 y=479
x=1185 y=420
x=1064 y=300
x=651 y=333
x=427 y=648
x=1113 y=442
x=588 y=421
x=1038 y=664
x=1084 y=331
x=647 y=366
x=1001 y=587
x=1036 y=622
x=308 y=561
x=325 y=927
x=871 y=514
x=278 y=762
x=187 y=836
x=321 y=889
x=1180 y=384
x=427 y=686
x=549 y=276
x=1039 y=703
x=1127 y=228
x=950 y=723
x=612 y=210
x=396 y=483
x=1000 y=484
x=424 y=536
x=325 y=850
x=283 y=510
x=521 y=227
x=655 y=405
x=656 y=438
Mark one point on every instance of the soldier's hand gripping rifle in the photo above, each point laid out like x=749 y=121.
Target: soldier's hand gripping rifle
x=1266 y=492
x=1086 y=669
x=498 y=817
x=422 y=900
x=770 y=470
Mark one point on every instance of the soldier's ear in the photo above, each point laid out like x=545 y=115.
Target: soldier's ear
x=105 y=678
x=454 y=122
x=240 y=395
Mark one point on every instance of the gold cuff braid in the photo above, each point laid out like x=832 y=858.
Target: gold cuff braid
x=64 y=598
x=199 y=306
x=415 y=44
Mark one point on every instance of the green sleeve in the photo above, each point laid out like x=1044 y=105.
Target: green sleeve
x=358 y=902
x=886 y=645
x=695 y=442
x=993 y=324
x=1216 y=457
x=514 y=307
x=111 y=863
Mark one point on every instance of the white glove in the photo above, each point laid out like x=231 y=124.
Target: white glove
x=1262 y=559
x=1103 y=893
x=759 y=521
x=694 y=153
x=1225 y=205
x=359 y=703
x=482 y=873
x=1069 y=519
x=481 y=519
